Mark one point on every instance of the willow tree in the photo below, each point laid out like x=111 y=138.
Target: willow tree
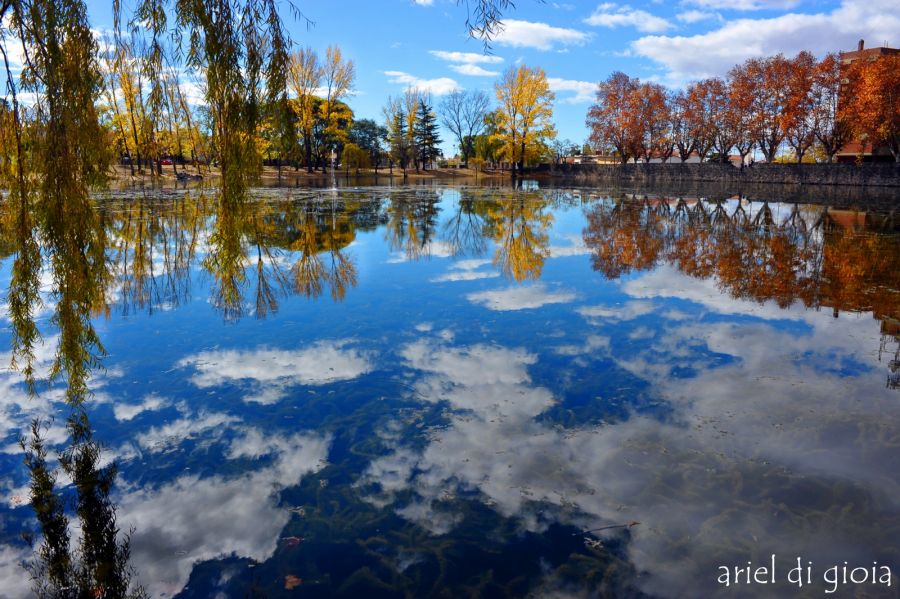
x=67 y=155
x=54 y=153
x=525 y=111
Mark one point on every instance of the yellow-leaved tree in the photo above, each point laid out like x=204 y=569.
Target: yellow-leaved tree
x=525 y=112
x=304 y=77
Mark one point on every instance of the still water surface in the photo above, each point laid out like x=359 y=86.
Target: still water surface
x=458 y=391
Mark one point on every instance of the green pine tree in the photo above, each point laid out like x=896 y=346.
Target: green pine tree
x=426 y=134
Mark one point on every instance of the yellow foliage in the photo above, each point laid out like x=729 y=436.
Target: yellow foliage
x=525 y=113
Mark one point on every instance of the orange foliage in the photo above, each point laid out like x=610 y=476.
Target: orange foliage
x=874 y=104
x=752 y=256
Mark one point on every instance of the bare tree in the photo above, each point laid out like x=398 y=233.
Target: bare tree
x=463 y=112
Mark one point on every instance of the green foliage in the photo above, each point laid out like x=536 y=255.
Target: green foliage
x=354 y=157
x=398 y=139
x=425 y=133
x=369 y=135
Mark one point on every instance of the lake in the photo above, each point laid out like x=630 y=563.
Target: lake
x=443 y=390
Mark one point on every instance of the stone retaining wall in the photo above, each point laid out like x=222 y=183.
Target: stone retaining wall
x=869 y=175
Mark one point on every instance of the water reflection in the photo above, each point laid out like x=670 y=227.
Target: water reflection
x=846 y=261
x=456 y=390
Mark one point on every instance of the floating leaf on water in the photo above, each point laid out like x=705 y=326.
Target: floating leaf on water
x=291 y=582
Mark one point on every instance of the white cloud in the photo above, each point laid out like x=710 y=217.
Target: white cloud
x=527 y=34
x=466 y=57
x=629 y=311
x=14 y=53
x=160 y=438
x=584 y=90
x=439 y=86
x=695 y=16
x=763 y=419
x=745 y=4
x=472 y=365
x=12 y=570
x=467 y=270
x=520 y=298
x=424 y=2
x=713 y=54
x=465 y=275
x=613 y=15
x=319 y=364
x=594 y=344
x=149 y=403
x=473 y=70
x=413 y=251
x=193 y=519
x=575 y=247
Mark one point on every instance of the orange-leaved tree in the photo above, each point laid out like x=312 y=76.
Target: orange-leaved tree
x=874 y=104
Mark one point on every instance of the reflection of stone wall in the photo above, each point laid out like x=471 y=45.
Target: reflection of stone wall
x=877 y=175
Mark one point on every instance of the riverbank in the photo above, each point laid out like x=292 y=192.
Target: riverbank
x=270 y=175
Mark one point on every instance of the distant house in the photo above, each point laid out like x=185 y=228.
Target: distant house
x=591 y=159
x=735 y=160
x=657 y=158
x=860 y=149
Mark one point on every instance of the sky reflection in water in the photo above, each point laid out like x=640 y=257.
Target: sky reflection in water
x=435 y=390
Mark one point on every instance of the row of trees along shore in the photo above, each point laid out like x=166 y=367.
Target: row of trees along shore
x=800 y=103
x=809 y=107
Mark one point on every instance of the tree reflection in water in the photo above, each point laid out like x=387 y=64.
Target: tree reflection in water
x=846 y=261
x=142 y=251
x=519 y=226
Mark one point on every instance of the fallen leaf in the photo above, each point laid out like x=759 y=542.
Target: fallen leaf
x=291 y=581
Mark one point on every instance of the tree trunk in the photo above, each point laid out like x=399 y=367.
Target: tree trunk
x=522 y=156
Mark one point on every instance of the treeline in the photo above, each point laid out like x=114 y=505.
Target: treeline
x=776 y=103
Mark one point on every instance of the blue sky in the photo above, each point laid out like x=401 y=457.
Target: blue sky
x=398 y=43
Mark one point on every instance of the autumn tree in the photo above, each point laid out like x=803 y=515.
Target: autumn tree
x=412 y=99
x=830 y=125
x=874 y=105
x=613 y=119
x=740 y=115
x=693 y=122
x=337 y=79
x=653 y=112
x=304 y=77
x=525 y=111
x=109 y=58
x=800 y=129
x=770 y=81
x=462 y=113
x=723 y=121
